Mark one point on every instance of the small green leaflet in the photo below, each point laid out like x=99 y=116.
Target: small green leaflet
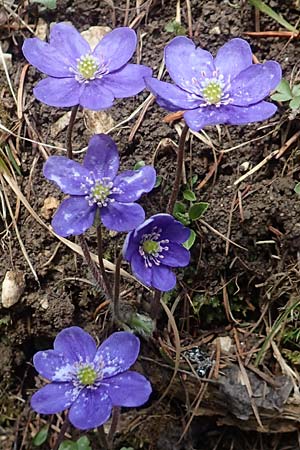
x=197 y=210
x=191 y=240
x=41 y=436
x=50 y=4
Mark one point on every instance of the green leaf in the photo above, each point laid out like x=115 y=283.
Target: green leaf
x=295 y=103
x=297 y=188
x=191 y=240
x=50 y=4
x=41 y=436
x=183 y=218
x=139 y=165
x=194 y=179
x=296 y=90
x=83 y=443
x=158 y=181
x=284 y=87
x=175 y=27
x=68 y=445
x=279 y=97
x=179 y=208
x=189 y=195
x=259 y=4
x=197 y=210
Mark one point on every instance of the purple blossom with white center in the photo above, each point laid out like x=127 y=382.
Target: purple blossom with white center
x=95 y=187
x=154 y=248
x=87 y=380
x=227 y=89
x=79 y=75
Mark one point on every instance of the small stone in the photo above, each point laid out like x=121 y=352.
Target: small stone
x=94 y=35
x=7 y=61
x=41 y=29
x=12 y=288
x=50 y=204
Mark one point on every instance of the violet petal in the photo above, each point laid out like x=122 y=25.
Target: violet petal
x=74 y=216
x=128 y=389
x=116 y=48
x=96 y=96
x=67 y=174
x=187 y=64
x=255 y=83
x=91 y=409
x=140 y=270
x=53 y=398
x=233 y=57
x=163 y=278
x=59 y=92
x=102 y=156
x=47 y=59
x=76 y=345
x=117 y=353
x=122 y=216
x=127 y=81
x=134 y=183
x=52 y=365
x=176 y=255
x=172 y=95
x=69 y=42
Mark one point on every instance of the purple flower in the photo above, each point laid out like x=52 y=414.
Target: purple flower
x=88 y=380
x=79 y=75
x=154 y=248
x=95 y=186
x=226 y=90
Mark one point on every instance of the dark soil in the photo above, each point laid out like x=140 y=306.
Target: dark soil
x=257 y=271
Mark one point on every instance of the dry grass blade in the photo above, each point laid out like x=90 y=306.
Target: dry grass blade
x=177 y=347
x=17 y=231
x=7 y=76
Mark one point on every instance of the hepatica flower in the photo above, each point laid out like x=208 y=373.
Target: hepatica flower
x=154 y=248
x=95 y=186
x=79 y=75
x=88 y=380
x=227 y=89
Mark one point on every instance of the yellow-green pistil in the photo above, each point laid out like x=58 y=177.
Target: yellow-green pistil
x=100 y=192
x=87 y=375
x=87 y=67
x=151 y=247
x=212 y=92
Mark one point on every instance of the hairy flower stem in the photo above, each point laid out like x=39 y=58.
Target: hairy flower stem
x=113 y=428
x=103 y=437
x=70 y=130
x=116 y=295
x=155 y=304
x=62 y=433
x=93 y=268
x=179 y=165
x=100 y=260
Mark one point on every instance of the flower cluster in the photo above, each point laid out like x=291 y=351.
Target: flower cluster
x=78 y=75
x=87 y=380
x=226 y=90
x=95 y=187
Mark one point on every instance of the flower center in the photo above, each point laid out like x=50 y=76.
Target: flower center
x=99 y=191
x=87 y=66
x=212 y=92
x=151 y=247
x=87 y=375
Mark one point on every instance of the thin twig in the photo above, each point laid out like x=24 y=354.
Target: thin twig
x=179 y=164
x=70 y=130
x=113 y=428
x=116 y=294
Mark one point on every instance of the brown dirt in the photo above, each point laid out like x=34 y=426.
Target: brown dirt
x=270 y=211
